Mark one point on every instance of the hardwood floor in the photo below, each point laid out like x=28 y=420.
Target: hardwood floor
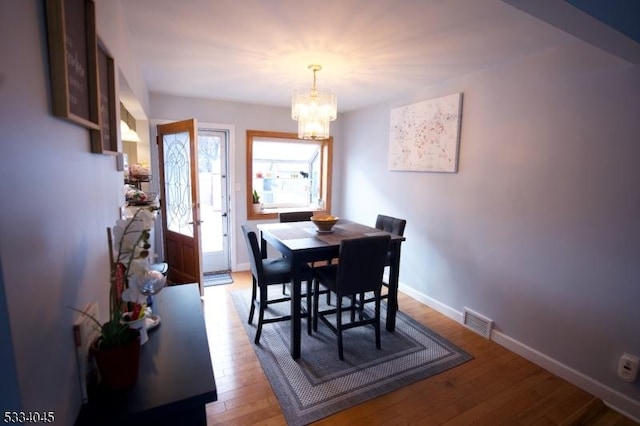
x=496 y=387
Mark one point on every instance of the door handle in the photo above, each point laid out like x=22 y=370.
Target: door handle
x=199 y=222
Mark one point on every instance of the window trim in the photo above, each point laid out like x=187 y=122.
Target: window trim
x=326 y=162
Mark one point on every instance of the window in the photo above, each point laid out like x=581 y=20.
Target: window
x=287 y=173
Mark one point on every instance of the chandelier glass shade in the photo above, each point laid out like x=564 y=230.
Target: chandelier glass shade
x=313 y=110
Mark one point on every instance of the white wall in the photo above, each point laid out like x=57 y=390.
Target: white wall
x=57 y=201
x=539 y=230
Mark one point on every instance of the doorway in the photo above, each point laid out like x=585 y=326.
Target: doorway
x=213 y=145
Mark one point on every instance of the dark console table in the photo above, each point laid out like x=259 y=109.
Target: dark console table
x=176 y=376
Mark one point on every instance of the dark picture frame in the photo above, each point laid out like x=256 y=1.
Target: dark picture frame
x=72 y=43
x=106 y=141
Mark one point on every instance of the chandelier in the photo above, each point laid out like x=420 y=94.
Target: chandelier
x=313 y=110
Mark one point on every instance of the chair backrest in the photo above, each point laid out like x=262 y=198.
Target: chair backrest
x=391 y=224
x=361 y=264
x=295 y=216
x=255 y=255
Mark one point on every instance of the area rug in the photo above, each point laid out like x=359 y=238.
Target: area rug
x=318 y=384
x=217 y=278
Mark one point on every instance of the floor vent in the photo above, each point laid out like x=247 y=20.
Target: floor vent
x=478 y=323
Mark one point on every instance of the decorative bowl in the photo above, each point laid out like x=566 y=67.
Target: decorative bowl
x=324 y=223
x=151 y=283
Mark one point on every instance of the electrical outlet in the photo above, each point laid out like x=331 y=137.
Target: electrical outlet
x=628 y=367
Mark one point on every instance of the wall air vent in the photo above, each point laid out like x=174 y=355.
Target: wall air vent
x=478 y=323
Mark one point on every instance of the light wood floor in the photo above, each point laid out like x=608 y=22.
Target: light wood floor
x=496 y=387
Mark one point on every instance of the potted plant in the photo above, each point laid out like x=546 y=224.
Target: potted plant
x=257 y=207
x=117 y=347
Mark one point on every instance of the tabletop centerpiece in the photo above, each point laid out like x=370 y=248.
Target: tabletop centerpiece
x=324 y=223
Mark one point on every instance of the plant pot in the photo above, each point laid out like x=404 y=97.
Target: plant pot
x=257 y=208
x=118 y=367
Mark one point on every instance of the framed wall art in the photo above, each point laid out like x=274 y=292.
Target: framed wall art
x=72 y=42
x=425 y=136
x=106 y=141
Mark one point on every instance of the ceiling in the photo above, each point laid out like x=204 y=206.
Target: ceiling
x=258 y=51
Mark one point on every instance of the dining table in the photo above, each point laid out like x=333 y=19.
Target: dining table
x=302 y=243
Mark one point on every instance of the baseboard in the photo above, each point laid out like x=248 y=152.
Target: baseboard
x=432 y=303
x=611 y=397
x=241 y=267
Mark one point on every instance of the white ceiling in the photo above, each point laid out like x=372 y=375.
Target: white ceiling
x=257 y=51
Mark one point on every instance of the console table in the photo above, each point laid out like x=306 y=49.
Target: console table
x=176 y=376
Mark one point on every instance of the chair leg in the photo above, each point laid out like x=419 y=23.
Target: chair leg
x=263 y=305
x=328 y=291
x=353 y=308
x=316 y=288
x=309 y=315
x=377 y=320
x=253 y=301
x=359 y=305
x=339 y=327
x=258 y=331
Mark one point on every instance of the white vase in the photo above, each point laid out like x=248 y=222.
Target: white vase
x=257 y=208
x=141 y=325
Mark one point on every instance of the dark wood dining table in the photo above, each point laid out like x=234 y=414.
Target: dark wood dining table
x=301 y=243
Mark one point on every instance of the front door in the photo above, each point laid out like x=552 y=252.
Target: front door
x=177 y=151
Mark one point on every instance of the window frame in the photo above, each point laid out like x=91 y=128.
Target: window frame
x=326 y=164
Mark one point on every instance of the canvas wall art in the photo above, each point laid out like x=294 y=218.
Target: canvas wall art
x=425 y=136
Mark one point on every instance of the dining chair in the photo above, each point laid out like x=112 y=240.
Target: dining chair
x=392 y=225
x=294 y=216
x=359 y=270
x=267 y=272
x=300 y=216
x=284 y=217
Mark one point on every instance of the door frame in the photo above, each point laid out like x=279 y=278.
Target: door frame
x=203 y=128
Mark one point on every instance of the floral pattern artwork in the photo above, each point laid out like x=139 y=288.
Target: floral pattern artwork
x=425 y=136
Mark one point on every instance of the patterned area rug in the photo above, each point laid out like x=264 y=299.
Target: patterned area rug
x=319 y=384
x=217 y=278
